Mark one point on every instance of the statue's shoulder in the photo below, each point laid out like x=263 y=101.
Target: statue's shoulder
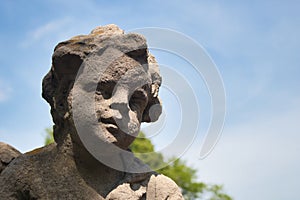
x=162 y=187
x=22 y=178
x=10 y=169
x=15 y=164
x=7 y=155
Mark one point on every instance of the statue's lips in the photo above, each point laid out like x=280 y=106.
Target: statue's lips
x=113 y=129
x=117 y=136
x=116 y=130
x=111 y=125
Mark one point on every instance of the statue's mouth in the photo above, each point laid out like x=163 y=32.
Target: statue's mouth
x=117 y=135
x=113 y=129
x=111 y=125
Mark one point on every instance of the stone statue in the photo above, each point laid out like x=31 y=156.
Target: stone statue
x=67 y=169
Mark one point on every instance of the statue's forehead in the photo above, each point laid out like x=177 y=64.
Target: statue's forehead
x=124 y=68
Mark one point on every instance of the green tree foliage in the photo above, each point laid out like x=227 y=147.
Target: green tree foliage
x=176 y=169
x=185 y=177
x=49 y=136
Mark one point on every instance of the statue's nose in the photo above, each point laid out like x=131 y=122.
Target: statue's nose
x=120 y=101
x=120 y=106
x=126 y=119
x=123 y=109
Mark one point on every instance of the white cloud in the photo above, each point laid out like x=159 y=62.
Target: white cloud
x=50 y=30
x=5 y=91
x=2 y=96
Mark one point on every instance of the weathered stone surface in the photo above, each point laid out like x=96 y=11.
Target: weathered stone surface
x=162 y=187
x=7 y=154
x=66 y=169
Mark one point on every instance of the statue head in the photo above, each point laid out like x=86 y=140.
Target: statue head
x=126 y=92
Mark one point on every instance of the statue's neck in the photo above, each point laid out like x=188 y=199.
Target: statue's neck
x=100 y=177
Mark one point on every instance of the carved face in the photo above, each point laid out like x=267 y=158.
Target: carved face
x=121 y=98
x=126 y=93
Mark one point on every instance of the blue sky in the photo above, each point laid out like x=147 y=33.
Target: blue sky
x=254 y=44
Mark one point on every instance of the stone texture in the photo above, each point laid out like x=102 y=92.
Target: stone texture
x=66 y=169
x=162 y=187
x=7 y=154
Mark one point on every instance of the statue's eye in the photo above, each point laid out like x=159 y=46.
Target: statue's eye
x=138 y=100
x=106 y=89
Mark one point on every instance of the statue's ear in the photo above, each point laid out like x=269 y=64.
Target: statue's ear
x=152 y=111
